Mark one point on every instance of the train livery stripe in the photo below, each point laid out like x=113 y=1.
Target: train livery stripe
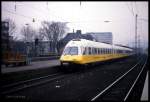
x=83 y=59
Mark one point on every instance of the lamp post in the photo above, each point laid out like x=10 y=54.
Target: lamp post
x=27 y=47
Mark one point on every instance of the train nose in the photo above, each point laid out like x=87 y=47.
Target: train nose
x=69 y=58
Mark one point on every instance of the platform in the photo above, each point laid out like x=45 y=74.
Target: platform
x=144 y=96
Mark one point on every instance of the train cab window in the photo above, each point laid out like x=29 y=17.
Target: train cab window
x=71 y=51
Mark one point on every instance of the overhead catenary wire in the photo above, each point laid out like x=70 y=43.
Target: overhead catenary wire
x=35 y=9
x=136 y=6
x=130 y=9
x=40 y=11
x=43 y=12
x=21 y=15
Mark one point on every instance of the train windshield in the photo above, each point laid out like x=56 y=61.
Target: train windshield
x=71 y=51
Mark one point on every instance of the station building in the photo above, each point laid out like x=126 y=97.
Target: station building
x=105 y=37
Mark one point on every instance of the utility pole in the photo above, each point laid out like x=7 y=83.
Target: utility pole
x=136 y=34
x=139 y=45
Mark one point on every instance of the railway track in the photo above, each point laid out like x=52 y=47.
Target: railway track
x=121 y=88
x=29 y=83
x=21 y=85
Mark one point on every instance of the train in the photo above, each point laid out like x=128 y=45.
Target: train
x=84 y=52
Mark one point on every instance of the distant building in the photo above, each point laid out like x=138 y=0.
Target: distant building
x=105 y=37
x=73 y=35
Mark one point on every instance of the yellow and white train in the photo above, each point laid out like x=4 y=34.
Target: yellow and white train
x=82 y=51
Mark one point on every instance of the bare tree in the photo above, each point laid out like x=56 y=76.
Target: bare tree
x=12 y=28
x=53 y=31
x=28 y=33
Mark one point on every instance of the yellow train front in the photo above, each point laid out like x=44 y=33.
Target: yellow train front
x=82 y=51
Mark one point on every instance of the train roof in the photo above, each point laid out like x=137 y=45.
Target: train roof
x=89 y=43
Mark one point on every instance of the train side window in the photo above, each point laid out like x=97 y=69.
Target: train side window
x=104 y=51
x=83 y=50
x=100 y=50
x=89 y=50
x=95 y=51
x=92 y=50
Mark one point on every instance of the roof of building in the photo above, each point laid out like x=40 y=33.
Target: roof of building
x=76 y=35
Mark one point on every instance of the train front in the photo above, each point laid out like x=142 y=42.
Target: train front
x=71 y=54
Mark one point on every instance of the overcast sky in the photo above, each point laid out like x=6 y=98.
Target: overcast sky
x=89 y=17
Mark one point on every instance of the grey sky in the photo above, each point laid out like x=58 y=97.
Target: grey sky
x=89 y=17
